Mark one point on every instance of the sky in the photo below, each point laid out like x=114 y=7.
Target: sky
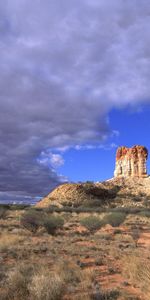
x=74 y=85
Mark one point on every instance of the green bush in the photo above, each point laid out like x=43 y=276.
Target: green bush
x=31 y=220
x=92 y=223
x=145 y=213
x=114 y=219
x=53 y=223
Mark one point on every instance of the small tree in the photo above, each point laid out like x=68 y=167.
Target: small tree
x=31 y=220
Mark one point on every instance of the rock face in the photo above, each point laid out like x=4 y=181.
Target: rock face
x=131 y=162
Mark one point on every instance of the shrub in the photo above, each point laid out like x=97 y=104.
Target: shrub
x=135 y=233
x=29 y=282
x=117 y=231
x=92 y=203
x=19 y=206
x=17 y=283
x=92 y=223
x=114 y=219
x=73 y=276
x=137 y=198
x=8 y=241
x=47 y=286
x=106 y=295
x=52 y=223
x=31 y=220
x=69 y=271
x=99 y=262
x=145 y=213
x=3 y=212
x=104 y=236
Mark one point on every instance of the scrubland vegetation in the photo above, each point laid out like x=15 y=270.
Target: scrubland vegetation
x=52 y=254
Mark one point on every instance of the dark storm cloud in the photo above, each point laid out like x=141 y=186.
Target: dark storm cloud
x=63 y=65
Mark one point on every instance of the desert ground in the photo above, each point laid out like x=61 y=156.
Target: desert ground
x=71 y=253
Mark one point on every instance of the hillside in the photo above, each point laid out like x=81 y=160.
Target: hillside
x=122 y=192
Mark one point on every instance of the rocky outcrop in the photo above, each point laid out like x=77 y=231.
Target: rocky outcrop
x=113 y=193
x=131 y=162
x=75 y=195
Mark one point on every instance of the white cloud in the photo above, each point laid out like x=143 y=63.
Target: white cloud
x=98 y=146
x=51 y=160
x=57 y=160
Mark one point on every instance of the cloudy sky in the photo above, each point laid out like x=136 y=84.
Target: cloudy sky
x=74 y=84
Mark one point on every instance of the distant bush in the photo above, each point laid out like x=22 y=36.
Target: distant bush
x=52 y=223
x=126 y=210
x=19 y=206
x=89 y=182
x=92 y=223
x=114 y=219
x=53 y=208
x=92 y=203
x=104 y=236
x=3 y=213
x=106 y=295
x=137 y=198
x=31 y=220
x=145 y=213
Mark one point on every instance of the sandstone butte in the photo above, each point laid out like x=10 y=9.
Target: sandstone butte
x=130 y=186
x=131 y=162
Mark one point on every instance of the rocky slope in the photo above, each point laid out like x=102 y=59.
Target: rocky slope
x=116 y=192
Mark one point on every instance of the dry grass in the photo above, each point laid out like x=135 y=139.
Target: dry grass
x=71 y=273
x=71 y=265
x=16 y=285
x=137 y=270
x=9 y=240
x=33 y=282
x=126 y=238
x=29 y=282
x=47 y=286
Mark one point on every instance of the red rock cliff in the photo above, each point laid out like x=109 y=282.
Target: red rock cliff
x=131 y=162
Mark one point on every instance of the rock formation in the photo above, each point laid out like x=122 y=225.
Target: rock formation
x=129 y=188
x=131 y=162
x=75 y=194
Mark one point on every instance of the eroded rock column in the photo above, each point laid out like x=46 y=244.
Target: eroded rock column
x=131 y=162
